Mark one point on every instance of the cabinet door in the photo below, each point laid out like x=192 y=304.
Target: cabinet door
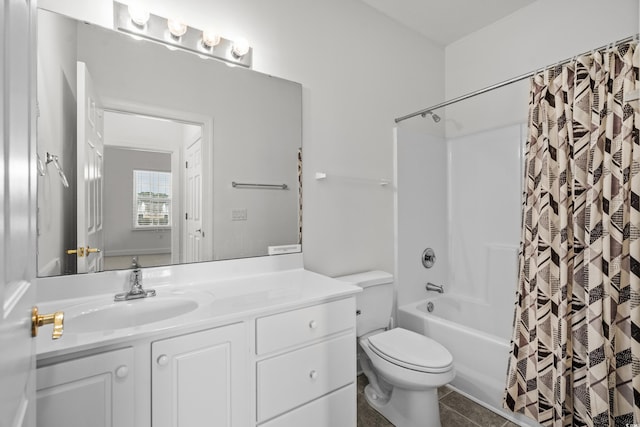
x=93 y=391
x=200 y=379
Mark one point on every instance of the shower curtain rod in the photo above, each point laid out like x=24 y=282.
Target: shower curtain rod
x=504 y=83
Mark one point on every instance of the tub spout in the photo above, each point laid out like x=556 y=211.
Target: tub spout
x=433 y=287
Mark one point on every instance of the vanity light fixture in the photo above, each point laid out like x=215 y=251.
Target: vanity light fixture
x=139 y=15
x=177 y=27
x=176 y=34
x=210 y=39
x=240 y=47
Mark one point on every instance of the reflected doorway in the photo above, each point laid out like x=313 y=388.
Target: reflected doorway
x=144 y=178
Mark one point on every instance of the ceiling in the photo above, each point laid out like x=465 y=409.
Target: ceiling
x=445 y=21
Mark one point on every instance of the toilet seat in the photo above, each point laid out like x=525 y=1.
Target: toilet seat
x=411 y=350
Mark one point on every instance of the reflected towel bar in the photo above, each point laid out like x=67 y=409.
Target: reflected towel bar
x=52 y=158
x=274 y=186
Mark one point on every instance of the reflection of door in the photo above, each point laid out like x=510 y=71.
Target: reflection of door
x=17 y=217
x=90 y=175
x=193 y=217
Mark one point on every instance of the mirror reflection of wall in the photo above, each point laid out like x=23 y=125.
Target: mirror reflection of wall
x=249 y=127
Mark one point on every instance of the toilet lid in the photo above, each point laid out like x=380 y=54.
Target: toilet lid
x=411 y=350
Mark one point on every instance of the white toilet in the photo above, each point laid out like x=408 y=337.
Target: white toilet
x=404 y=368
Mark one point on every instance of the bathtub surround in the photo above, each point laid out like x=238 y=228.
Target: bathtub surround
x=575 y=341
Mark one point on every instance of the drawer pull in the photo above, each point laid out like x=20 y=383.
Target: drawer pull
x=163 y=360
x=313 y=324
x=122 y=371
x=313 y=374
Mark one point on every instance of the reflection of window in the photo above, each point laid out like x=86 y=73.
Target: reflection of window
x=151 y=199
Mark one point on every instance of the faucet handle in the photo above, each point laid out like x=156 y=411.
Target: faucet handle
x=135 y=263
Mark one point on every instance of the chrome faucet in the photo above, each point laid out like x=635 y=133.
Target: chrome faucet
x=135 y=282
x=433 y=287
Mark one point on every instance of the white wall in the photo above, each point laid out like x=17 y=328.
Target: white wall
x=359 y=70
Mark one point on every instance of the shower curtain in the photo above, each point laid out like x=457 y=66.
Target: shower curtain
x=575 y=355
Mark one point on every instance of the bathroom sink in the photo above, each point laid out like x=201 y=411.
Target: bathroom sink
x=126 y=314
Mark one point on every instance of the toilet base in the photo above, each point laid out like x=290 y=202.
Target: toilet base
x=407 y=408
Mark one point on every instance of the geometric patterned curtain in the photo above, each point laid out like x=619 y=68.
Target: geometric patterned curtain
x=575 y=350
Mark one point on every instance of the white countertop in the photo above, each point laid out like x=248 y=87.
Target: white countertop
x=219 y=301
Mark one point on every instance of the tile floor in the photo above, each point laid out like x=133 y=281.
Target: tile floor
x=455 y=411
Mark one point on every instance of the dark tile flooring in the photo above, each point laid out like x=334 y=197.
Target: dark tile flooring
x=455 y=411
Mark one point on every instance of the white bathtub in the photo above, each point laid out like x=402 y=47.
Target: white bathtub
x=480 y=358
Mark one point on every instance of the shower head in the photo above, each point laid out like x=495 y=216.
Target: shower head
x=434 y=116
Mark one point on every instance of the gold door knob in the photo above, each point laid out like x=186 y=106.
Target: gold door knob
x=79 y=251
x=38 y=320
x=92 y=250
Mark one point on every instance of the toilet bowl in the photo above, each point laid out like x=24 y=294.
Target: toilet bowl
x=405 y=370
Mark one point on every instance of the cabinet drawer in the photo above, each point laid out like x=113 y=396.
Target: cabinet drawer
x=295 y=378
x=299 y=326
x=335 y=409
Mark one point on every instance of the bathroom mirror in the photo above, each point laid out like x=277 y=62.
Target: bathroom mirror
x=168 y=157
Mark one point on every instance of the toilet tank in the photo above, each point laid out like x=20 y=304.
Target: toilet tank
x=375 y=302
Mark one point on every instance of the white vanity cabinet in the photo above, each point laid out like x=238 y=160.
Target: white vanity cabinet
x=91 y=391
x=306 y=366
x=268 y=351
x=200 y=379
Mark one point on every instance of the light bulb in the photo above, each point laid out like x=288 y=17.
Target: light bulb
x=139 y=15
x=210 y=38
x=177 y=27
x=240 y=47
